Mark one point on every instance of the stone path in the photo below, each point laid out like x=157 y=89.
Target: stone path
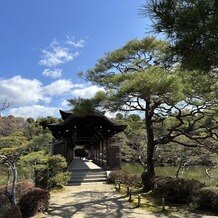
x=92 y=200
x=84 y=171
x=77 y=164
x=99 y=200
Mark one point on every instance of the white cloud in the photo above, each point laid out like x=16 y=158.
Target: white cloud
x=58 y=53
x=56 y=73
x=59 y=87
x=34 y=111
x=21 y=91
x=86 y=92
x=64 y=104
x=111 y=114
x=31 y=98
x=75 y=43
x=55 y=56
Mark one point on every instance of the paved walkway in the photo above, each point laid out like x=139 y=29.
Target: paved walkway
x=77 y=164
x=92 y=201
x=98 y=200
x=84 y=171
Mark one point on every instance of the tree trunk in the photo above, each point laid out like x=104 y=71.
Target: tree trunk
x=13 y=189
x=150 y=141
x=150 y=160
x=149 y=174
x=12 y=194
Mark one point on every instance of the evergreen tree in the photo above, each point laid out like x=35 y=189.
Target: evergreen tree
x=191 y=26
x=136 y=78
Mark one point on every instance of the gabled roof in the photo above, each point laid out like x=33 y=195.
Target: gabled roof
x=88 y=129
x=65 y=114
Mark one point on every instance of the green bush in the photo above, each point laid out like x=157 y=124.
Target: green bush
x=35 y=201
x=45 y=168
x=59 y=179
x=125 y=178
x=115 y=176
x=207 y=198
x=41 y=178
x=58 y=174
x=51 y=172
x=176 y=190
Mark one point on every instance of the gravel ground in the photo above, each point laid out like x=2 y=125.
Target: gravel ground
x=91 y=200
x=98 y=200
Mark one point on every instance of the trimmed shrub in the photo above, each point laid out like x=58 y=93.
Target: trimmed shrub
x=125 y=178
x=35 y=201
x=2 y=196
x=176 y=190
x=207 y=198
x=115 y=176
x=58 y=174
x=59 y=179
x=9 y=210
x=41 y=178
x=23 y=188
x=6 y=208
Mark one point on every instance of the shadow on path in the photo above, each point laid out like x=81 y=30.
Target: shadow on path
x=100 y=200
x=112 y=207
x=93 y=204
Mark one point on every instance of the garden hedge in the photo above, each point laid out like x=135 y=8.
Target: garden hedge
x=176 y=190
x=207 y=198
x=35 y=201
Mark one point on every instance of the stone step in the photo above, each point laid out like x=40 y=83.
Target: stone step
x=88 y=176
x=79 y=175
x=88 y=173
x=88 y=180
x=85 y=170
x=85 y=183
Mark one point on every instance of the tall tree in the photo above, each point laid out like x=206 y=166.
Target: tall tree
x=135 y=79
x=10 y=161
x=82 y=106
x=191 y=26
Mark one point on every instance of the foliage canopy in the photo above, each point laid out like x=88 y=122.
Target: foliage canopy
x=191 y=26
x=138 y=77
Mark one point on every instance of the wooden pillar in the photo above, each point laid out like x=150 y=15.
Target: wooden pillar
x=65 y=150
x=96 y=154
x=95 y=151
x=102 y=153
x=91 y=153
x=96 y=157
x=106 y=153
x=99 y=154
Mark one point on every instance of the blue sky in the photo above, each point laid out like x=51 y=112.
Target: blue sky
x=45 y=43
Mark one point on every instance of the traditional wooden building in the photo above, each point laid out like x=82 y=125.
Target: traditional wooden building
x=93 y=131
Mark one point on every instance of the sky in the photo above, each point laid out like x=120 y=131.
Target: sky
x=44 y=44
